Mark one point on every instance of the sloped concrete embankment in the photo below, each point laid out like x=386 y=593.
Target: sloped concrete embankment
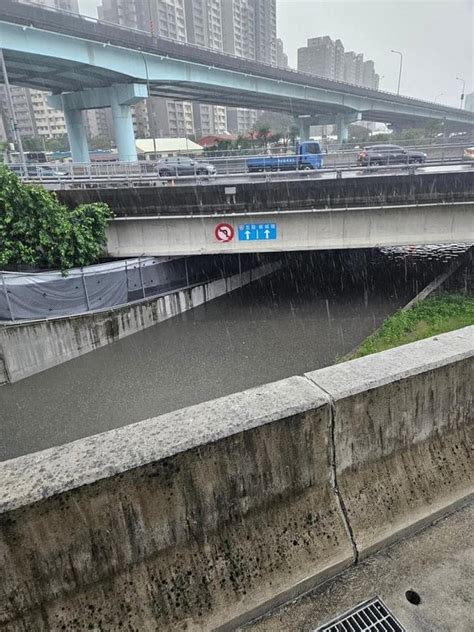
x=207 y=516
x=29 y=347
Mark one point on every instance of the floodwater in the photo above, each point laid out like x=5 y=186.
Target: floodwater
x=318 y=308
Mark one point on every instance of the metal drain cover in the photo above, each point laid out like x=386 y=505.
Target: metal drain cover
x=371 y=615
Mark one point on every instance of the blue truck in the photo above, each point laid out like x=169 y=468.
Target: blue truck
x=307 y=156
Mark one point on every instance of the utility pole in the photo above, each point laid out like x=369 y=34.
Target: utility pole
x=463 y=89
x=11 y=109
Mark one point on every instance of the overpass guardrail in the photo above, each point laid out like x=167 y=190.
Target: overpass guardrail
x=157 y=173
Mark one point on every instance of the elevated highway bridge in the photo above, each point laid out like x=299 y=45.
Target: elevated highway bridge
x=91 y=64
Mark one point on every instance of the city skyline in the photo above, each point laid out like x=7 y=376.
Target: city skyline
x=382 y=26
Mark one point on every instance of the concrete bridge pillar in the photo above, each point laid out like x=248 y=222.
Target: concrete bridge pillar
x=304 y=128
x=342 y=127
x=120 y=98
x=76 y=131
x=123 y=128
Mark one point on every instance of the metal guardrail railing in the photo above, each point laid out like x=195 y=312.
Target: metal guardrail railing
x=148 y=173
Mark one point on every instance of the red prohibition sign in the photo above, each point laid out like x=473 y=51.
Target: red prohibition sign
x=224 y=232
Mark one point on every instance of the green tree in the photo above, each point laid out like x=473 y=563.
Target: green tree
x=293 y=133
x=263 y=133
x=34 y=143
x=36 y=229
x=100 y=142
x=54 y=144
x=358 y=133
x=60 y=143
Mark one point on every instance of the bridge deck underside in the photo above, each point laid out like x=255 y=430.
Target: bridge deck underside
x=60 y=72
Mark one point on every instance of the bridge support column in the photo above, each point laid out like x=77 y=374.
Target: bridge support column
x=76 y=131
x=119 y=98
x=123 y=127
x=342 y=125
x=342 y=128
x=304 y=128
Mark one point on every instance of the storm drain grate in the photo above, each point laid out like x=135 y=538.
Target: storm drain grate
x=371 y=615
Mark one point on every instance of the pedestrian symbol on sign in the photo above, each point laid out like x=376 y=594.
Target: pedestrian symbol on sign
x=224 y=232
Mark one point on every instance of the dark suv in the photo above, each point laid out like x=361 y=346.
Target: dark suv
x=389 y=155
x=184 y=167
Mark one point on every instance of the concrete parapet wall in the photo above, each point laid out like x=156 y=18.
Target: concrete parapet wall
x=423 y=188
x=402 y=434
x=29 y=347
x=203 y=517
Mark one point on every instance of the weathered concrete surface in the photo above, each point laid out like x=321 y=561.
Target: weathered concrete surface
x=207 y=516
x=437 y=563
x=192 y=522
x=27 y=348
x=403 y=431
x=319 y=228
x=252 y=197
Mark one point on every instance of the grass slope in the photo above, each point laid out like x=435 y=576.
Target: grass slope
x=429 y=318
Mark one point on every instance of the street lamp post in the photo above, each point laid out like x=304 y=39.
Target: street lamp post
x=397 y=52
x=438 y=95
x=463 y=89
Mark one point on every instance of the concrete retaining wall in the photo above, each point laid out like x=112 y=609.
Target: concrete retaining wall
x=201 y=518
x=27 y=348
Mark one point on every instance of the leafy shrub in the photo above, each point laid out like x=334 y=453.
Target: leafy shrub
x=36 y=229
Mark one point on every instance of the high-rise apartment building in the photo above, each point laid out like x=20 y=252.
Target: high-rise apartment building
x=34 y=117
x=238 y=25
x=281 y=56
x=265 y=31
x=49 y=122
x=326 y=58
x=64 y=5
x=23 y=107
x=249 y=31
x=124 y=12
x=318 y=57
x=338 y=61
x=204 y=28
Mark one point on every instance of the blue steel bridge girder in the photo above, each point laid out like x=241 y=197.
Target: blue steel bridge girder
x=187 y=80
x=71 y=67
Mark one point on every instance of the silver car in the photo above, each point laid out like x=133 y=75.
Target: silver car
x=177 y=166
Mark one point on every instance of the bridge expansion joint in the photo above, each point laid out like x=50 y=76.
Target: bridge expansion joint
x=333 y=467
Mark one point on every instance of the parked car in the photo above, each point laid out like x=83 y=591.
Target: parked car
x=389 y=155
x=468 y=154
x=177 y=166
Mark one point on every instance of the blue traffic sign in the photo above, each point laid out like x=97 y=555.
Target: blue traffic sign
x=257 y=232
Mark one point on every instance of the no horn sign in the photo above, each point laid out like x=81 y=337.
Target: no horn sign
x=224 y=232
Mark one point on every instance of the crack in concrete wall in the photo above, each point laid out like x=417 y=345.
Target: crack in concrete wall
x=332 y=456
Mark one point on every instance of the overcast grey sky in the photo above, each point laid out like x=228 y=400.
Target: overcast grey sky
x=435 y=36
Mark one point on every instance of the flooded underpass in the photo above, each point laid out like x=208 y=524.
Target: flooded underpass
x=313 y=311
